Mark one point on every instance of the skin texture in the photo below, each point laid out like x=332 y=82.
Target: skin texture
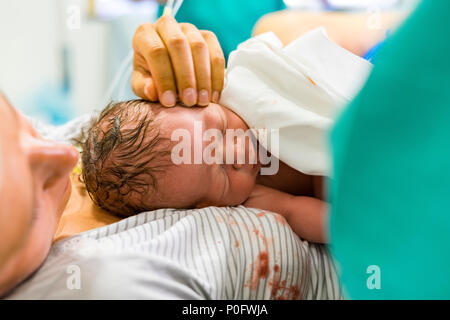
x=81 y=214
x=201 y=185
x=39 y=170
x=357 y=32
x=172 y=59
x=35 y=174
x=189 y=185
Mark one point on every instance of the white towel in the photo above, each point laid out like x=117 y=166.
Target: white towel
x=297 y=89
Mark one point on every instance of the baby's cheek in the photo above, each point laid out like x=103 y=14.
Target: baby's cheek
x=242 y=186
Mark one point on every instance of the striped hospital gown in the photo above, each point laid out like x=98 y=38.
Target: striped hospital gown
x=210 y=253
x=231 y=253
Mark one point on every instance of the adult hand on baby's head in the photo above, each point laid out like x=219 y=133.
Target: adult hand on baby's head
x=170 y=57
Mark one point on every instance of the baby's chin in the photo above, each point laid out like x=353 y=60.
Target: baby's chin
x=243 y=193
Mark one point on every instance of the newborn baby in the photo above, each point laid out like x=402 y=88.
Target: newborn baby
x=128 y=167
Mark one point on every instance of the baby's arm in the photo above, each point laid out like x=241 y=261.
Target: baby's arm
x=306 y=215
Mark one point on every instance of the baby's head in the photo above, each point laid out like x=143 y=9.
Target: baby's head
x=128 y=158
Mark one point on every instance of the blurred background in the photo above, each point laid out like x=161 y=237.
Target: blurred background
x=59 y=57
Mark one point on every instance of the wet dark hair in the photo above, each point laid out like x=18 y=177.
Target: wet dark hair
x=122 y=154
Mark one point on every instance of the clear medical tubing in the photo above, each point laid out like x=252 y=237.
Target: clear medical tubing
x=126 y=68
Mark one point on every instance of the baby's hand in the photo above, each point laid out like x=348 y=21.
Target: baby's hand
x=305 y=215
x=262 y=198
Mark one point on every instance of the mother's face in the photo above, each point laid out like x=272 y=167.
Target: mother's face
x=34 y=189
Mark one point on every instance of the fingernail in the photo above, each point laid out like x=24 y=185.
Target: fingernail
x=189 y=97
x=203 y=97
x=215 y=96
x=168 y=98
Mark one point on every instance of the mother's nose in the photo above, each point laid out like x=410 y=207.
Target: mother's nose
x=51 y=159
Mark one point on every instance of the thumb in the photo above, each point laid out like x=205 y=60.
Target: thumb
x=143 y=86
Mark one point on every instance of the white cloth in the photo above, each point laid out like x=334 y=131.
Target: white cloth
x=297 y=89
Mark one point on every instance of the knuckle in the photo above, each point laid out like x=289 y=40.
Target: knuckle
x=198 y=45
x=177 y=41
x=143 y=27
x=165 y=82
x=208 y=34
x=140 y=34
x=187 y=26
x=157 y=51
x=219 y=61
x=141 y=31
x=163 y=19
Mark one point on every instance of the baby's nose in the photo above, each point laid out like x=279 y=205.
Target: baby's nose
x=243 y=152
x=240 y=150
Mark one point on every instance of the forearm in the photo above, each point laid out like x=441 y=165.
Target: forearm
x=353 y=31
x=306 y=216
